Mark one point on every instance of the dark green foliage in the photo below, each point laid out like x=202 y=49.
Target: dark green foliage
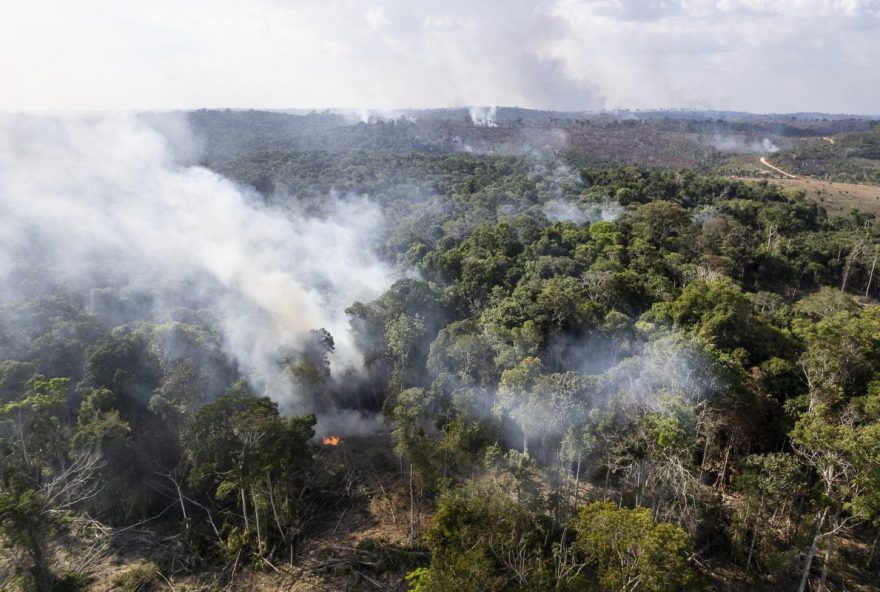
x=242 y=454
x=630 y=551
x=235 y=440
x=484 y=540
x=699 y=353
x=24 y=521
x=123 y=361
x=50 y=331
x=13 y=377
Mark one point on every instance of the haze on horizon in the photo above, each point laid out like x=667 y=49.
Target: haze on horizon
x=753 y=55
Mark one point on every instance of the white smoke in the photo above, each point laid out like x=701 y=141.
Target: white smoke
x=769 y=146
x=81 y=194
x=579 y=213
x=373 y=116
x=561 y=188
x=740 y=144
x=484 y=116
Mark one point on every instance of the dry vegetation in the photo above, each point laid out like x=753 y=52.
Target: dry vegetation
x=360 y=543
x=837 y=198
x=363 y=543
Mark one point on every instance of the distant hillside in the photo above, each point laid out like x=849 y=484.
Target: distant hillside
x=721 y=142
x=852 y=157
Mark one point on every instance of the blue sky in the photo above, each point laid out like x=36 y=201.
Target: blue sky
x=756 y=55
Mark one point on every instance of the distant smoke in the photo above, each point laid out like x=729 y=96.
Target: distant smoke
x=561 y=190
x=371 y=116
x=484 y=116
x=87 y=199
x=740 y=144
x=769 y=146
x=703 y=214
x=578 y=213
x=668 y=364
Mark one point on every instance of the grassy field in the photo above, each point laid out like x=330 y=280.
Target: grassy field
x=837 y=198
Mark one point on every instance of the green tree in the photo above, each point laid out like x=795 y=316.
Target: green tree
x=413 y=416
x=404 y=336
x=240 y=448
x=41 y=422
x=766 y=481
x=481 y=539
x=125 y=478
x=25 y=521
x=631 y=552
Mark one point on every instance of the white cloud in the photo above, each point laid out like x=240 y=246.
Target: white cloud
x=739 y=54
x=376 y=17
x=762 y=55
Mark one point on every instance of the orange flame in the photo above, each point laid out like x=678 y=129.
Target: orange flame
x=332 y=440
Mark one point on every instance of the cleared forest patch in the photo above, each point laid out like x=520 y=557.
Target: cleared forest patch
x=837 y=198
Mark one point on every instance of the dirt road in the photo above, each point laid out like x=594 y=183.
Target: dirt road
x=776 y=169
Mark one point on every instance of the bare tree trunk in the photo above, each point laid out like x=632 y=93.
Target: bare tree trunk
x=741 y=531
x=848 y=267
x=752 y=546
x=213 y=526
x=577 y=484
x=274 y=509
x=179 y=497
x=244 y=511
x=257 y=520
x=639 y=487
x=705 y=455
x=27 y=460
x=558 y=480
x=607 y=479
x=808 y=563
x=723 y=476
x=871 y=275
x=829 y=548
x=792 y=531
x=566 y=487
x=412 y=506
x=755 y=534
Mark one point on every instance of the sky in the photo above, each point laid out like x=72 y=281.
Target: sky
x=751 y=55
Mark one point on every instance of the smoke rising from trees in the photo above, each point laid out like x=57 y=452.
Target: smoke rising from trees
x=91 y=202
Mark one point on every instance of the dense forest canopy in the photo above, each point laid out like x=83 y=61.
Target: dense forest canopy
x=549 y=369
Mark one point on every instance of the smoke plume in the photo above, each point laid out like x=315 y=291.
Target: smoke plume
x=484 y=116
x=92 y=201
x=741 y=144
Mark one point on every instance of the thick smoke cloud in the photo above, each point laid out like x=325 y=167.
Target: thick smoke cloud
x=86 y=199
